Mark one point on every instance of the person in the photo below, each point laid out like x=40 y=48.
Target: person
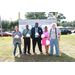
x=16 y=41
x=45 y=33
x=36 y=38
x=55 y=34
x=26 y=39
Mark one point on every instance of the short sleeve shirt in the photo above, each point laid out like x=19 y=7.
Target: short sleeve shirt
x=53 y=35
x=16 y=40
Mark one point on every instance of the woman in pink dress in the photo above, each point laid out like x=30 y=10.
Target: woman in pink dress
x=45 y=33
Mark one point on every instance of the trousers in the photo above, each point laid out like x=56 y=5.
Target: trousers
x=15 y=46
x=54 y=42
x=37 y=40
x=26 y=44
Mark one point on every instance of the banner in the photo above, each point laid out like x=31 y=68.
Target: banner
x=41 y=23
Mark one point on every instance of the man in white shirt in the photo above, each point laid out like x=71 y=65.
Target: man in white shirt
x=55 y=34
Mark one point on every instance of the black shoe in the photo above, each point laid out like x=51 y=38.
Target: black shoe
x=24 y=53
x=29 y=53
x=50 y=54
x=57 y=56
x=41 y=53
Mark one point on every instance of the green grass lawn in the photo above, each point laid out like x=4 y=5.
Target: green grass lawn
x=67 y=50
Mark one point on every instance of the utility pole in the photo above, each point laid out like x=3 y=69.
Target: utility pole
x=1 y=27
x=58 y=41
x=55 y=15
x=19 y=15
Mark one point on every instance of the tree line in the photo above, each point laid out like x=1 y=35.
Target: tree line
x=9 y=25
x=65 y=24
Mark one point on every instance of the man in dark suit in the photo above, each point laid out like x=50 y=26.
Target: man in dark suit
x=36 y=38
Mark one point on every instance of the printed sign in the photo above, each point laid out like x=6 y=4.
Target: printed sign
x=41 y=22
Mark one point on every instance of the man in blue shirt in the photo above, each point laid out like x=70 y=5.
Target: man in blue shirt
x=27 y=39
x=36 y=38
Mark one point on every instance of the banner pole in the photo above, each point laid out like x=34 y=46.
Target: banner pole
x=58 y=40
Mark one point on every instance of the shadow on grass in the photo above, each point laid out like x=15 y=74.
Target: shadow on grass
x=45 y=58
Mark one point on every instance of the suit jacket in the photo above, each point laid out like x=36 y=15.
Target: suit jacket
x=33 y=32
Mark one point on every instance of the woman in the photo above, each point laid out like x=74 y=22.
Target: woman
x=16 y=40
x=46 y=34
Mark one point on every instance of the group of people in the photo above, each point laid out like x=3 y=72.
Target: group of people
x=53 y=36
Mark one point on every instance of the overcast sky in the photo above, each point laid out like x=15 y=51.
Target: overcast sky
x=70 y=16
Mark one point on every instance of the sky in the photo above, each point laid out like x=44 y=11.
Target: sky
x=14 y=16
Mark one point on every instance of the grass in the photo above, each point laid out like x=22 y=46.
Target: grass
x=67 y=50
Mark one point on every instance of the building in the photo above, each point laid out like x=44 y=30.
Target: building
x=68 y=28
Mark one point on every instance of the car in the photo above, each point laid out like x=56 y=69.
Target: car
x=6 y=34
x=73 y=31
x=65 y=31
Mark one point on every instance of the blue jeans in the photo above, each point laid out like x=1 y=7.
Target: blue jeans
x=54 y=42
x=15 y=46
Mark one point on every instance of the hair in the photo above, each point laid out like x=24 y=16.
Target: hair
x=17 y=29
x=36 y=23
x=55 y=24
x=45 y=26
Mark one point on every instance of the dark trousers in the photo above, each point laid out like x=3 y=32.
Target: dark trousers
x=38 y=40
x=26 y=43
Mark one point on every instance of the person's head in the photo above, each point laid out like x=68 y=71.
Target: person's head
x=16 y=29
x=36 y=25
x=45 y=28
x=27 y=26
x=53 y=25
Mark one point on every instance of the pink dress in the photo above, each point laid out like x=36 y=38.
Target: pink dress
x=44 y=39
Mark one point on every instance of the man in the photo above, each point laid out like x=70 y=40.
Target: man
x=26 y=39
x=36 y=38
x=55 y=34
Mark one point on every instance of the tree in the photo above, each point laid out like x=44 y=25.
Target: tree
x=59 y=24
x=35 y=15
x=60 y=16
x=9 y=25
x=12 y=24
x=73 y=24
x=5 y=24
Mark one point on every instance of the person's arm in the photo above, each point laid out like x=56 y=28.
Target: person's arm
x=40 y=33
x=20 y=35
x=13 y=35
x=49 y=34
x=31 y=33
x=23 y=33
x=59 y=34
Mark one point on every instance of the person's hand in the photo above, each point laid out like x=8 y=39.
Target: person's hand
x=58 y=39
x=14 y=37
x=46 y=37
x=20 y=37
x=38 y=35
x=24 y=35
